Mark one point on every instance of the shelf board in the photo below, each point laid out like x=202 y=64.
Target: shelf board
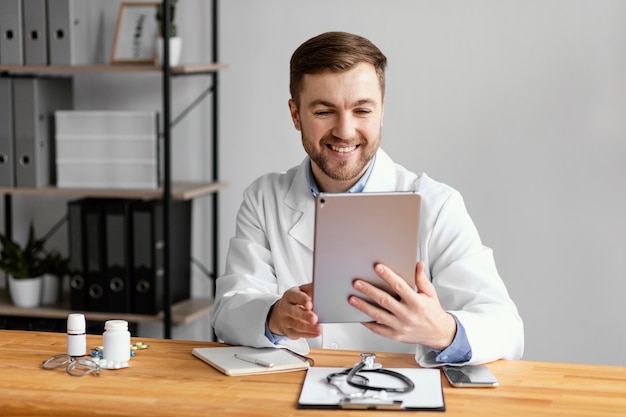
x=183 y=312
x=75 y=69
x=179 y=191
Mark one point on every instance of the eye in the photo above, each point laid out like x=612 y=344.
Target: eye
x=363 y=112
x=322 y=113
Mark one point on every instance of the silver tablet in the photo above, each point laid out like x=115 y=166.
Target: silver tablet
x=353 y=232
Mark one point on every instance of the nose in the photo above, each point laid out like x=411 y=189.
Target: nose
x=345 y=127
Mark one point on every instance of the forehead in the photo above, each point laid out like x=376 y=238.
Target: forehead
x=357 y=84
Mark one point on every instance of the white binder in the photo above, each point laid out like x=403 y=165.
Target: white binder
x=11 y=42
x=35 y=32
x=71 y=40
x=6 y=132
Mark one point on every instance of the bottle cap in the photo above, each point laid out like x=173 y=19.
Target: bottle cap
x=116 y=325
x=76 y=323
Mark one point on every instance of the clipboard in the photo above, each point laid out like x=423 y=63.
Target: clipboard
x=427 y=395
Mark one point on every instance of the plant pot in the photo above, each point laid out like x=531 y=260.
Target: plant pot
x=26 y=292
x=51 y=290
x=176 y=47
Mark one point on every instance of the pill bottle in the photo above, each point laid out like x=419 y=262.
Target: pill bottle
x=76 y=335
x=116 y=341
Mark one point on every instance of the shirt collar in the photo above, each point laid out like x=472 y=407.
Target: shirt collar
x=356 y=188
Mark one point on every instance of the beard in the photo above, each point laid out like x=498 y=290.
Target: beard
x=340 y=170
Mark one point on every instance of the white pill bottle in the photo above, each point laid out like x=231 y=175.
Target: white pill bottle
x=76 y=335
x=116 y=341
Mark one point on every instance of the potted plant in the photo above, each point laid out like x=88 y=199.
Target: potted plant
x=26 y=266
x=175 y=42
x=56 y=266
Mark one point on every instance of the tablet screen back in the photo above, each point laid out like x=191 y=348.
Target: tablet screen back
x=353 y=232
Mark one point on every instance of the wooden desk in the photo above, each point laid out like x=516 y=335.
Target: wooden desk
x=166 y=380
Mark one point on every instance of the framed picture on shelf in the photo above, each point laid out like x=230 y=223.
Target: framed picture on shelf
x=135 y=35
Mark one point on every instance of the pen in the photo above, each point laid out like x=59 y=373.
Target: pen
x=253 y=360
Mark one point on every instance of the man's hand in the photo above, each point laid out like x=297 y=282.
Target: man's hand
x=417 y=317
x=293 y=315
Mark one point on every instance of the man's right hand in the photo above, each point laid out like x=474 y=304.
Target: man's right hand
x=292 y=316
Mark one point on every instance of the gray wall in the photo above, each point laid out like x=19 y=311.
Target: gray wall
x=519 y=104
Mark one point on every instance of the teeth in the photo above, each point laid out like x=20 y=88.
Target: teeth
x=342 y=150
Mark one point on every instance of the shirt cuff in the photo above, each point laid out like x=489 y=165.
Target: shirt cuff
x=459 y=350
x=275 y=339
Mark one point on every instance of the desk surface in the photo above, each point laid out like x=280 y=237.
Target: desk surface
x=166 y=379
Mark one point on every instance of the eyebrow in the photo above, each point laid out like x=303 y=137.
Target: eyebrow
x=329 y=104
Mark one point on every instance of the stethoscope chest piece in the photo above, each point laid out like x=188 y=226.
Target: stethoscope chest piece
x=369 y=359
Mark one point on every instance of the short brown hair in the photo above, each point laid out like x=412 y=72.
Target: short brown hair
x=336 y=52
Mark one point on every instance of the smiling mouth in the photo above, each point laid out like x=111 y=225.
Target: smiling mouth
x=342 y=149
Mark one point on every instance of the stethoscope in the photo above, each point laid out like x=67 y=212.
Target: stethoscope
x=353 y=378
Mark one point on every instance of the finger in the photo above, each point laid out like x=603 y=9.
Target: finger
x=297 y=296
x=422 y=282
x=395 y=281
x=307 y=289
x=381 y=313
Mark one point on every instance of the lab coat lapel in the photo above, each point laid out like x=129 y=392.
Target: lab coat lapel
x=300 y=200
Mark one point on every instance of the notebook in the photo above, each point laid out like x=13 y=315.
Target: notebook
x=353 y=231
x=239 y=360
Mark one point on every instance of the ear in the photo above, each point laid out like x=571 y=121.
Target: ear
x=295 y=116
x=382 y=112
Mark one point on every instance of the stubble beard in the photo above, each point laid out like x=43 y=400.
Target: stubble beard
x=340 y=170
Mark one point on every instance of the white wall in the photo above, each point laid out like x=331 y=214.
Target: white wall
x=521 y=105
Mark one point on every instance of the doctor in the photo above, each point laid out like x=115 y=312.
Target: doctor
x=461 y=312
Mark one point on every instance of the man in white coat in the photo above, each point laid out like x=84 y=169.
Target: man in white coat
x=461 y=311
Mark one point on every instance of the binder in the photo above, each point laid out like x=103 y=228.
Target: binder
x=35 y=32
x=148 y=254
x=117 y=255
x=6 y=132
x=70 y=40
x=93 y=245
x=11 y=33
x=34 y=103
x=78 y=285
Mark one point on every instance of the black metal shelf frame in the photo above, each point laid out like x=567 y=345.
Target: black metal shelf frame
x=167 y=130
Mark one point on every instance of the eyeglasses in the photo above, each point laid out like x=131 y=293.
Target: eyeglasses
x=75 y=367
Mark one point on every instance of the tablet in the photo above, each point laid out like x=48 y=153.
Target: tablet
x=353 y=232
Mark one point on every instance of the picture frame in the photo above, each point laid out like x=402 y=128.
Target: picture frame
x=135 y=34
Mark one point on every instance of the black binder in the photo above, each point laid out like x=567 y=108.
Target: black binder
x=148 y=254
x=93 y=245
x=78 y=285
x=117 y=255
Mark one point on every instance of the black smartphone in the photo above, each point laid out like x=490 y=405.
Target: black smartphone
x=468 y=376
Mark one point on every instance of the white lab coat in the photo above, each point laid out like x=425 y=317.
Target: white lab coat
x=272 y=251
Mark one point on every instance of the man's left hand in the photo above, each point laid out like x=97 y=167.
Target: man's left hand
x=416 y=317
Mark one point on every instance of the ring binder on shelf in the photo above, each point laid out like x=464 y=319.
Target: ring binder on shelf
x=7 y=174
x=35 y=100
x=78 y=285
x=117 y=255
x=35 y=32
x=11 y=33
x=71 y=40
